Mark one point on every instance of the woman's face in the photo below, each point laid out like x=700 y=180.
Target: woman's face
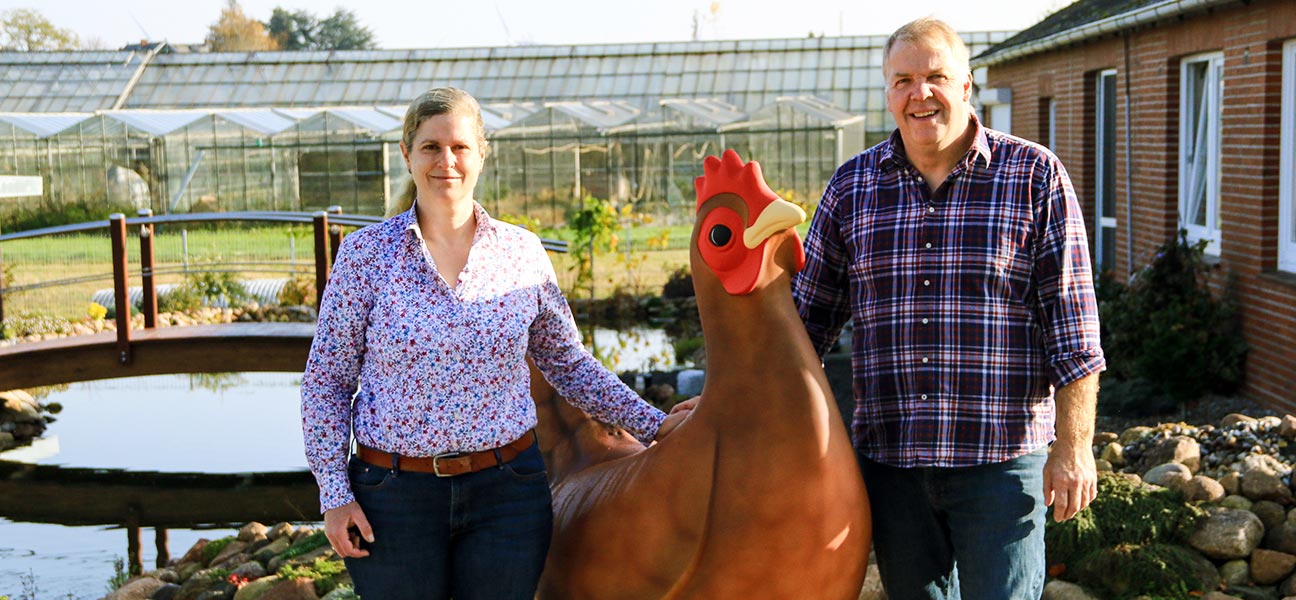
x=445 y=158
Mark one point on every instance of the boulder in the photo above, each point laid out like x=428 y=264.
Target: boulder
x=280 y=530
x=1269 y=567
x=1202 y=489
x=346 y=593
x=1264 y=484
x=1235 y=572
x=1287 y=428
x=231 y=550
x=1177 y=449
x=166 y=592
x=291 y=589
x=253 y=590
x=141 y=588
x=1113 y=453
x=1281 y=538
x=1064 y=590
x=1134 y=434
x=1231 y=420
x=1271 y=513
x=1232 y=482
x=251 y=532
x=1169 y=475
x=1227 y=533
x=19 y=406
x=251 y=571
x=272 y=550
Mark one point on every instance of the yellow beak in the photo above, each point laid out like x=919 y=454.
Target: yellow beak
x=779 y=215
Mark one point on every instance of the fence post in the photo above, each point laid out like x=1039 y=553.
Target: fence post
x=121 y=294
x=335 y=235
x=2 y=282
x=321 y=256
x=149 y=305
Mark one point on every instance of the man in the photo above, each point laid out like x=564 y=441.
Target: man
x=959 y=254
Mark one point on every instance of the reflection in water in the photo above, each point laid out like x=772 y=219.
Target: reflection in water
x=168 y=424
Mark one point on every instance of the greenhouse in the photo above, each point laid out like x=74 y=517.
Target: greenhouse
x=187 y=132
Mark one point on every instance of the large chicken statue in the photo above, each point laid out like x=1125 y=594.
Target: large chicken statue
x=757 y=494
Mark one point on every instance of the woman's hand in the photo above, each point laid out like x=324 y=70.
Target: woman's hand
x=677 y=415
x=344 y=526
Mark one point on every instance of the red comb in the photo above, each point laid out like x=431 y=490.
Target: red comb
x=728 y=175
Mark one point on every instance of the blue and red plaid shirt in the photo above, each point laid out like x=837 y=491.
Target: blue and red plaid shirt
x=969 y=305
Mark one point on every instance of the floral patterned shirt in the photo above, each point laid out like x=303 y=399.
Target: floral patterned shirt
x=415 y=367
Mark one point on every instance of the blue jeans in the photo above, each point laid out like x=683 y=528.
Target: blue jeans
x=949 y=533
x=477 y=536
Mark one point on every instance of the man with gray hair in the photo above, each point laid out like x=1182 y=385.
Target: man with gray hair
x=959 y=255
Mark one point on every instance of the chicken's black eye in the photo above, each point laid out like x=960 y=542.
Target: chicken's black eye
x=720 y=236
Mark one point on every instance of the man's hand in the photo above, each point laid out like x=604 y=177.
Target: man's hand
x=344 y=526
x=1070 y=477
x=1070 y=480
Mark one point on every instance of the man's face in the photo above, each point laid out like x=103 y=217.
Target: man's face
x=927 y=93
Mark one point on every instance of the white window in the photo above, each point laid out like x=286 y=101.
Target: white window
x=1105 y=153
x=1050 y=124
x=1201 y=91
x=1287 y=170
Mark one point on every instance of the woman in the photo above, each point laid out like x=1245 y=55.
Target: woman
x=430 y=315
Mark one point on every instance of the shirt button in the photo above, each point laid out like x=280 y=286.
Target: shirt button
x=931 y=209
x=926 y=282
x=924 y=359
x=924 y=396
x=924 y=321
x=929 y=244
x=919 y=178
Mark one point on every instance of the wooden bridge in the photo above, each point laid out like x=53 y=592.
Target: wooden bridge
x=233 y=347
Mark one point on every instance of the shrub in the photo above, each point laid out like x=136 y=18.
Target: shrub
x=1167 y=327
x=679 y=284
x=181 y=298
x=324 y=574
x=306 y=544
x=299 y=291
x=24 y=217
x=214 y=286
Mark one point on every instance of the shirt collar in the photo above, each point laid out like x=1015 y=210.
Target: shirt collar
x=485 y=226
x=894 y=157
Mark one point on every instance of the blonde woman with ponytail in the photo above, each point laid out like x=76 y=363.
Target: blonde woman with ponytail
x=420 y=352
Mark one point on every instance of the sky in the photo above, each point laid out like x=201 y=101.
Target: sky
x=399 y=24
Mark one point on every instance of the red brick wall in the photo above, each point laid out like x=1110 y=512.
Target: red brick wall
x=1251 y=37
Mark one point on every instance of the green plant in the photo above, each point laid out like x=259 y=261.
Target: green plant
x=181 y=298
x=214 y=286
x=214 y=547
x=298 y=291
x=304 y=545
x=594 y=229
x=323 y=573
x=96 y=311
x=1167 y=326
x=524 y=221
x=119 y=576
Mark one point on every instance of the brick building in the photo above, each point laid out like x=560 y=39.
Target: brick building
x=1204 y=92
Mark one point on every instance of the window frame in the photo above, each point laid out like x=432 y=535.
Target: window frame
x=1104 y=224
x=1287 y=166
x=1188 y=135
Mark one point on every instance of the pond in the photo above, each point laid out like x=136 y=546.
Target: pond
x=175 y=424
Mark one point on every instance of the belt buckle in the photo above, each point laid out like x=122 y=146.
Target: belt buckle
x=436 y=463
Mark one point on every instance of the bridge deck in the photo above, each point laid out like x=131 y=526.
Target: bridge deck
x=232 y=347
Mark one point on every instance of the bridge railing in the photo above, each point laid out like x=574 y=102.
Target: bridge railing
x=327 y=228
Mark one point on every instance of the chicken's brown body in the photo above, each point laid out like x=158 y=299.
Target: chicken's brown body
x=757 y=495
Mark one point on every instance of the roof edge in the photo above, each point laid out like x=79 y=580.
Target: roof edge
x=1093 y=29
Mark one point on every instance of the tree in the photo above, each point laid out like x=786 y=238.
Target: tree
x=236 y=32
x=301 y=30
x=24 y=29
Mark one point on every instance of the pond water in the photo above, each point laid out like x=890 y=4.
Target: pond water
x=224 y=423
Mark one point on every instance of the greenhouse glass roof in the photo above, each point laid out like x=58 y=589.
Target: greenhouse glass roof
x=43 y=125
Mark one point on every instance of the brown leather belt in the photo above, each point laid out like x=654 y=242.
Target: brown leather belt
x=447 y=465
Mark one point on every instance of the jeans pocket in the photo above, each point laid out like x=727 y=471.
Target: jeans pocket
x=528 y=466
x=367 y=477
